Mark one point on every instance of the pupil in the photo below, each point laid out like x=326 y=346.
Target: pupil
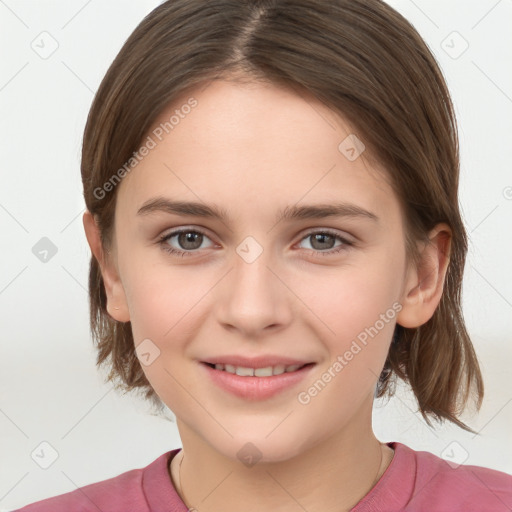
x=190 y=238
x=321 y=238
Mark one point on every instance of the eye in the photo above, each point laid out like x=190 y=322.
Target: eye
x=322 y=242
x=188 y=239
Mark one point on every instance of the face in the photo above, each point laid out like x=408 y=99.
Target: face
x=322 y=289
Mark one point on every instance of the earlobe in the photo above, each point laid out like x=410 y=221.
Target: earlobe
x=424 y=283
x=116 y=300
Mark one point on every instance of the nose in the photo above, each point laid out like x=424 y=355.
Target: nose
x=254 y=298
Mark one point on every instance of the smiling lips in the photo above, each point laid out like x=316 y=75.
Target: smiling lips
x=255 y=378
x=261 y=366
x=266 y=371
x=256 y=362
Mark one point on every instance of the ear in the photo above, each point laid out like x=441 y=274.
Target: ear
x=117 y=306
x=423 y=285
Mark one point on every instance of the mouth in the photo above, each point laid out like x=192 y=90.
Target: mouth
x=268 y=371
x=256 y=384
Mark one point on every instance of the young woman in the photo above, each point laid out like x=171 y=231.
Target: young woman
x=272 y=196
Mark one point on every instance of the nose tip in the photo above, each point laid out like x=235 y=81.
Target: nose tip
x=253 y=298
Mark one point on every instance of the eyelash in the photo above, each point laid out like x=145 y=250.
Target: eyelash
x=166 y=247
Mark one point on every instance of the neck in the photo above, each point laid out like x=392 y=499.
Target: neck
x=334 y=475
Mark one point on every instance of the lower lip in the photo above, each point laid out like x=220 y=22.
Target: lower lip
x=256 y=388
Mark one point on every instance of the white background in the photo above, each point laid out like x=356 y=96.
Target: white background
x=50 y=389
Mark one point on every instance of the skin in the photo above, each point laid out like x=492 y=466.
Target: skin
x=253 y=149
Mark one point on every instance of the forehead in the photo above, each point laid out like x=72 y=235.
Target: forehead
x=254 y=147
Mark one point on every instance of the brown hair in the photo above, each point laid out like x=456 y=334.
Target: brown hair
x=363 y=60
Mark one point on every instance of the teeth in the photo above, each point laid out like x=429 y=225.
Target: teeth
x=258 y=372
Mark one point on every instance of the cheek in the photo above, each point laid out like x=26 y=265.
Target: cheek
x=168 y=305
x=158 y=297
x=357 y=325
x=355 y=309
x=165 y=308
x=349 y=298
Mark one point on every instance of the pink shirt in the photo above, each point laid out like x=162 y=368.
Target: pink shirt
x=415 y=481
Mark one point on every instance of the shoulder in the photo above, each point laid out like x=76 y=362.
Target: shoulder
x=445 y=485
x=120 y=493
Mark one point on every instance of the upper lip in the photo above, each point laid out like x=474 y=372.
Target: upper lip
x=255 y=362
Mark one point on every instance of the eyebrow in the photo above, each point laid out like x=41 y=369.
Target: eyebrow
x=195 y=209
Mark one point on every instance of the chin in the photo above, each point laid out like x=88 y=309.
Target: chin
x=256 y=449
